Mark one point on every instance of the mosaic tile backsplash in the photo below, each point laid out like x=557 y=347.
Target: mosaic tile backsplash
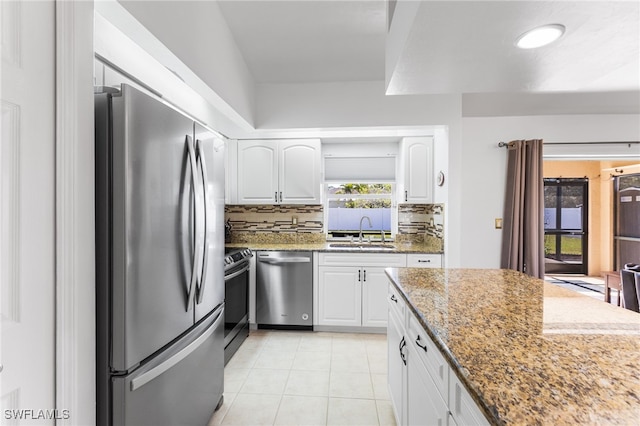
x=274 y=223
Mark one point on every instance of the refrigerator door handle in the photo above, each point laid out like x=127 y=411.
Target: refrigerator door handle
x=205 y=251
x=196 y=255
x=161 y=368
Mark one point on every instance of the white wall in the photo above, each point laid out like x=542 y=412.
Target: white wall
x=347 y=104
x=198 y=34
x=483 y=169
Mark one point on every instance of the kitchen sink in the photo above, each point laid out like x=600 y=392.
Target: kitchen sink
x=354 y=246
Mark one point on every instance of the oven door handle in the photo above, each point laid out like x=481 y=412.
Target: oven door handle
x=235 y=274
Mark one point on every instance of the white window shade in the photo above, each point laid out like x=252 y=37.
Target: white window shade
x=360 y=169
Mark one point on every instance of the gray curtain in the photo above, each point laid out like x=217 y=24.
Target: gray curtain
x=523 y=232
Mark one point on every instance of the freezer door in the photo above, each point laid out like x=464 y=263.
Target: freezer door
x=210 y=166
x=156 y=225
x=181 y=386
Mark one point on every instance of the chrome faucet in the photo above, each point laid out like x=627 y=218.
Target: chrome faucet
x=370 y=226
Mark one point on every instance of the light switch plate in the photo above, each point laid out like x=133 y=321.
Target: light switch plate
x=499 y=223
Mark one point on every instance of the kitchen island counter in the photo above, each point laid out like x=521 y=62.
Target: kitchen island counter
x=529 y=352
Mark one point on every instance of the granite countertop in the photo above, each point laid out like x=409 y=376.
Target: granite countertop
x=528 y=351
x=400 y=247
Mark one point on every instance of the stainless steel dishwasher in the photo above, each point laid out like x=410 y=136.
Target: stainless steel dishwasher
x=284 y=290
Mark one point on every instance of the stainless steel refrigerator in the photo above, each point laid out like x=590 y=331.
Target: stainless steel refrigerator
x=160 y=251
x=627 y=235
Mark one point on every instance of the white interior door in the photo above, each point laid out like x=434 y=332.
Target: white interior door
x=27 y=220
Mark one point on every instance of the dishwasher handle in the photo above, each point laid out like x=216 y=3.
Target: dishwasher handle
x=282 y=260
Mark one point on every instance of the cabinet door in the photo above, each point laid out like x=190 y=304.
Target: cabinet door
x=257 y=172
x=299 y=172
x=375 y=285
x=396 y=371
x=462 y=406
x=417 y=162
x=425 y=406
x=339 y=296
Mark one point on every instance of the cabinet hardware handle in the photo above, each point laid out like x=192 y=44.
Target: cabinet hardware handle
x=364 y=275
x=280 y=196
x=406 y=195
x=276 y=196
x=424 y=348
x=403 y=343
x=359 y=275
x=424 y=261
x=393 y=297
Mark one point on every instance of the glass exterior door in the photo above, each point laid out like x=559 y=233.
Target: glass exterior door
x=565 y=225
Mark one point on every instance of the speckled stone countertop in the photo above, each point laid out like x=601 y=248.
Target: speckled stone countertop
x=404 y=247
x=528 y=351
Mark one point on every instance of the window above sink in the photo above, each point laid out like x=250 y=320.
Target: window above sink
x=349 y=205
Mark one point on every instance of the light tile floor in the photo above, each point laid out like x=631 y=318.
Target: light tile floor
x=307 y=378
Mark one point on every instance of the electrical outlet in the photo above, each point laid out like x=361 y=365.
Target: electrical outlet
x=499 y=223
x=294 y=220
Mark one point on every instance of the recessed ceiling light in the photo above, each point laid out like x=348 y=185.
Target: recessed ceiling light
x=540 y=36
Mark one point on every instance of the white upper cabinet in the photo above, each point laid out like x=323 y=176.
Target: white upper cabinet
x=279 y=171
x=415 y=183
x=299 y=171
x=257 y=172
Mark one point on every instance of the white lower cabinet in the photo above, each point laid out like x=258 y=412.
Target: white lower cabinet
x=374 y=297
x=352 y=296
x=352 y=289
x=339 y=296
x=424 y=402
x=397 y=368
x=463 y=408
x=423 y=389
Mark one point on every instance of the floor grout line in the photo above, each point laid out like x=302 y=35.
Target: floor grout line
x=269 y=342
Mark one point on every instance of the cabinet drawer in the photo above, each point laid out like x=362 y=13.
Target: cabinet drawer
x=429 y=355
x=396 y=303
x=424 y=260
x=384 y=260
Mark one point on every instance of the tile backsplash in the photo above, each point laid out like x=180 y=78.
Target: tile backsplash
x=274 y=223
x=421 y=222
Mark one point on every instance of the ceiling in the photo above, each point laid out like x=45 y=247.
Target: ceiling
x=452 y=46
x=304 y=41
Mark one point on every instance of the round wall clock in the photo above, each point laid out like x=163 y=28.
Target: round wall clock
x=440 y=179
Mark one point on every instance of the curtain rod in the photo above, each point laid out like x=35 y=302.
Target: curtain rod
x=506 y=144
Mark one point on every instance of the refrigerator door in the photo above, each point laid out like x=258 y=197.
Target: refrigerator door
x=181 y=386
x=157 y=225
x=628 y=233
x=210 y=155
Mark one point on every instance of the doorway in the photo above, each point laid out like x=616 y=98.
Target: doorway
x=566 y=225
